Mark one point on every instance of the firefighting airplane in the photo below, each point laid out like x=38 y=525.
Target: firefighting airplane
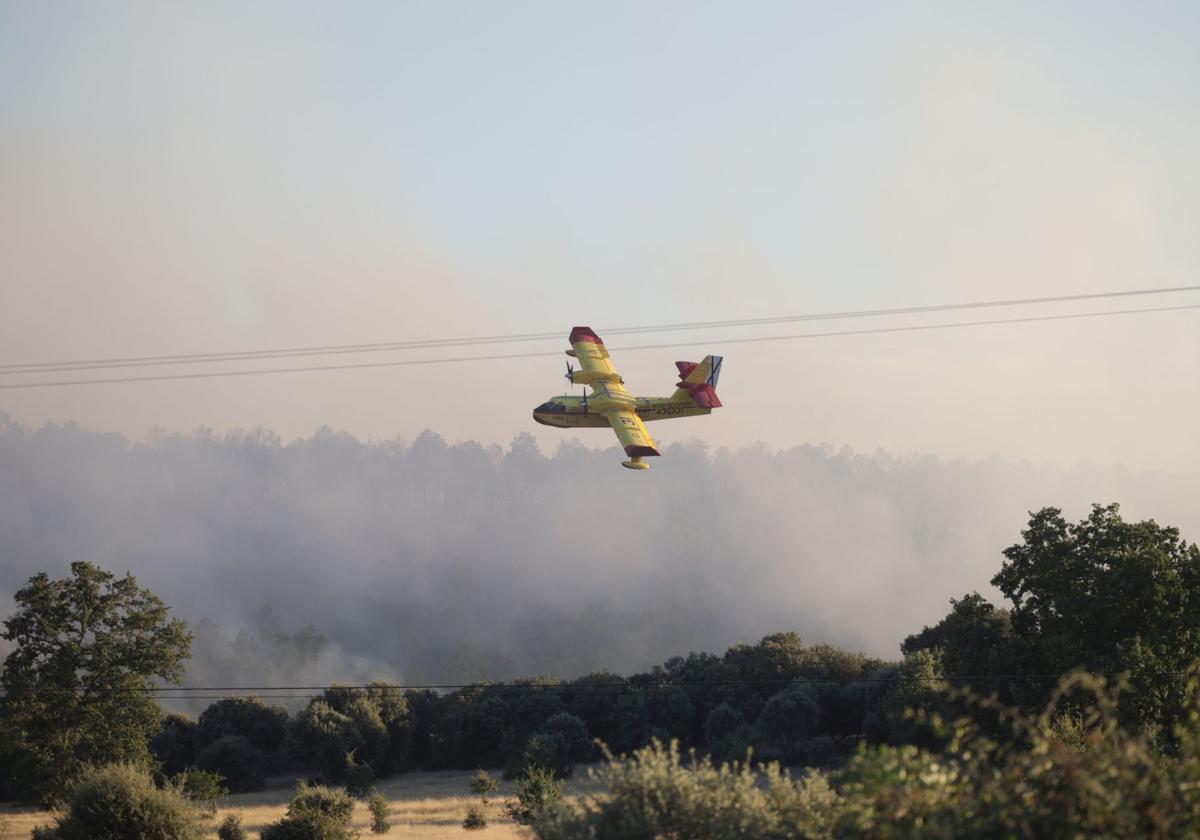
x=611 y=405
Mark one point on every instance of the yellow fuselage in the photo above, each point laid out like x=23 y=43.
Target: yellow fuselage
x=569 y=413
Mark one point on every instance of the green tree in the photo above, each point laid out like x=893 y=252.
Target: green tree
x=321 y=737
x=537 y=791
x=264 y=726
x=789 y=717
x=237 y=760
x=483 y=785
x=1109 y=596
x=558 y=744
x=175 y=743
x=1103 y=595
x=87 y=650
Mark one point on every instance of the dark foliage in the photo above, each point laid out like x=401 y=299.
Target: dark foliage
x=237 y=760
x=558 y=744
x=174 y=746
x=231 y=828
x=264 y=726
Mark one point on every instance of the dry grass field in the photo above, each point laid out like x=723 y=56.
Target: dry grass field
x=425 y=806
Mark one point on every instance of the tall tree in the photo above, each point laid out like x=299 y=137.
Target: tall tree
x=87 y=652
x=1110 y=596
x=1102 y=594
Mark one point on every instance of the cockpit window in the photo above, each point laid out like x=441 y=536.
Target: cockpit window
x=552 y=407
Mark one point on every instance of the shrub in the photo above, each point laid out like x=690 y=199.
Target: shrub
x=558 y=744
x=379 y=813
x=1078 y=774
x=483 y=784
x=319 y=799
x=237 y=760
x=475 y=818
x=121 y=801
x=316 y=812
x=201 y=786
x=359 y=778
x=656 y=794
x=231 y=828
x=536 y=791
x=307 y=827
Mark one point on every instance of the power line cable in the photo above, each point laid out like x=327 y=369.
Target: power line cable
x=626 y=349
x=392 y=346
x=182 y=692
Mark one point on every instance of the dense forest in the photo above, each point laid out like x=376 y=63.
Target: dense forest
x=451 y=562
x=1114 y=598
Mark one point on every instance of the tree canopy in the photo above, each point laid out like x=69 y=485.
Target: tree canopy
x=87 y=650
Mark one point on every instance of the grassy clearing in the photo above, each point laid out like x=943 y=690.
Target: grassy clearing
x=424 y=806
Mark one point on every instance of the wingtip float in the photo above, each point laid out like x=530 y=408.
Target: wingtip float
x=610 y=404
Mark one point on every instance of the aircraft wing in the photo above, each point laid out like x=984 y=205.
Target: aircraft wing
x=589 y=349
x=631 y=431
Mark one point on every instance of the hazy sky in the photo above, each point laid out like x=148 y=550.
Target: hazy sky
x=207 y=177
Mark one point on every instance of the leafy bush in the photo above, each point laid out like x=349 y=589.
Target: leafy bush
x=319 y=799
x=121 y=801
x=316 y=812
x=379 y=813
x=558 y=744
x=537 y=791
x=358 y=778
x=483 y=785
x=231 y=828
x=654 y=793
x=475 y=819
x=201 y=786
x=237 y=760
x=1061 y=774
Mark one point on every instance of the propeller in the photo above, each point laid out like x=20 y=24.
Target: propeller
x=570 y=373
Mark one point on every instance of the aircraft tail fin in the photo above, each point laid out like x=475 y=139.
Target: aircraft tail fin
x=699 y=381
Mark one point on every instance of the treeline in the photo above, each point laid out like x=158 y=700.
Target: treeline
x=798 y=703
x=1115 y=598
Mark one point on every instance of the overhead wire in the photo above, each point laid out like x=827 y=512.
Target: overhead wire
x=299 y=691
x=625 y=349
x=64 y=366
